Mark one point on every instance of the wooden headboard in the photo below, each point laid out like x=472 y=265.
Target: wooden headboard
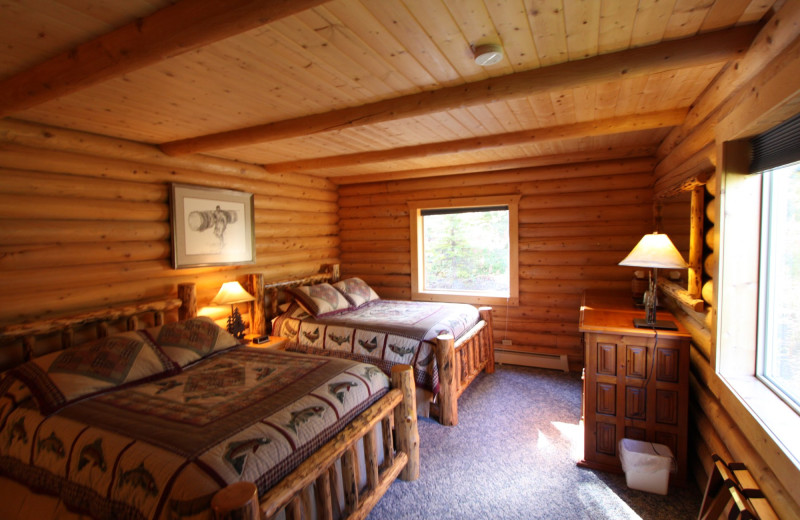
x=269 y=295
x=18 y=342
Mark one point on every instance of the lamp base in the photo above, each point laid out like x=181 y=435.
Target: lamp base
x=641 y=323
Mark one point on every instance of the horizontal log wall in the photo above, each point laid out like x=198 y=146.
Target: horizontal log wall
x=85 y=220
x=576 y=223
x=689 y=157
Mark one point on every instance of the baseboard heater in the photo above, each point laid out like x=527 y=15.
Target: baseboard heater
x=529 y=359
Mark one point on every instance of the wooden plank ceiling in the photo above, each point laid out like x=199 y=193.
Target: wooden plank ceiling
x=360 y=90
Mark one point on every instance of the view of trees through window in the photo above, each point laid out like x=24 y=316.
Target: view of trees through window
x=780 y=344
x=467 y=251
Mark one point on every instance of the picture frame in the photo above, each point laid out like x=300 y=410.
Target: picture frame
x=211 y=226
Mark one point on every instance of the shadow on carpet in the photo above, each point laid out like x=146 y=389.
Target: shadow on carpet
x=513 y=455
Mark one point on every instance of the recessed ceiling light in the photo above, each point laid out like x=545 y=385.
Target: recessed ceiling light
x=488 y=54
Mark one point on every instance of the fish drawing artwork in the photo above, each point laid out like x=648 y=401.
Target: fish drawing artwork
x=92 y=454
x=166 y=386
x=138 y=478
x=370 y=371
x=370 y=345
x=426 y=360
x=339 y=340
x=303 y=416
x=401 y=351
x=338 y=389
x=18 y=432
x=263 y=372
x=51 y=444
x=312 y=336
x=237 y=452
x=289 y=331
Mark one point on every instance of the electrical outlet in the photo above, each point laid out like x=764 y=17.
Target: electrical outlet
x=506 y=342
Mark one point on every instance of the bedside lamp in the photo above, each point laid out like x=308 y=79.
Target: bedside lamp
x=232 y=293
x=657 y=252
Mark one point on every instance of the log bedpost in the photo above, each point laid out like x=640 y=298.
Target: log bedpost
x=486 y=315
x=258 y=322
x=448 y=393
x=405 y=419
x=188 y=296
x=237 y=501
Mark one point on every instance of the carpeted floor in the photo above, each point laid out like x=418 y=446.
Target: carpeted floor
x=513 y=456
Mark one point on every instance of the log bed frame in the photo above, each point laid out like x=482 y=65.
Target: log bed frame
x=315 y=480
x=459 y=361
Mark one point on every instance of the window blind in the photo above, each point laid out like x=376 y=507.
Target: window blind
x=777 y=146
x=452 y=211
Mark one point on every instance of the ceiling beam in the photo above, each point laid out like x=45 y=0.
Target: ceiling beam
x=614 y=125
x=173 y=30
x=507 y=164
x=705 y=49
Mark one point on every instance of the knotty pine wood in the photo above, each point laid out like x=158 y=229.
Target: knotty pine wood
x=79 y=225
x=760 y=78
x=588 y=231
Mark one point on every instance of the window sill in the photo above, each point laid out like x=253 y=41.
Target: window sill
x=465 y=297
x=780 y=422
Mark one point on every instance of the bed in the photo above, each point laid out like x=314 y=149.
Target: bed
x=448 y=345
x=178 y=420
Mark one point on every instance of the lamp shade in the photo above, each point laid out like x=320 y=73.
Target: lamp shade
x=655 y=250
x=231 y=292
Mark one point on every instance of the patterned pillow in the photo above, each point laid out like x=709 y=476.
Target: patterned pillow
x=321 y=299
x=187 y=341
x=357 y=291
x=60 y=378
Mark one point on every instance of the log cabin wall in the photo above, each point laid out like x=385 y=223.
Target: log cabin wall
x=85 y=219
x=576 y=223
x=763 y=85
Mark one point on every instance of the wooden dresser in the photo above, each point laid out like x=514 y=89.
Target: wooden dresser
x=636 y=382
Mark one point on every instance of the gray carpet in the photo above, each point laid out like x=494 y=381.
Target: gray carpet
x=513 y=456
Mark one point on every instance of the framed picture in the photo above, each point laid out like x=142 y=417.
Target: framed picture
x=211 y=226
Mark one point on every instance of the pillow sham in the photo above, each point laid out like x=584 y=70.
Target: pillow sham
x=357 y=291
x=193 y=339
x=60 y=378
x=321 y=299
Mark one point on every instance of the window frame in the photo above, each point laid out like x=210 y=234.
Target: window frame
x=766 y=420
x=417 y=250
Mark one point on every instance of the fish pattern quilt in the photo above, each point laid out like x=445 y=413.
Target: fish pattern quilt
x=162 y=448
x=381 y=332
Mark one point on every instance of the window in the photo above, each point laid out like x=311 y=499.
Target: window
x=778 y=348
x=465 y=250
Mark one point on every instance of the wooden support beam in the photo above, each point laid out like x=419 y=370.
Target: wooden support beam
x=169 y=32
x=702 y=50
x=495 y=166
x=614 y=125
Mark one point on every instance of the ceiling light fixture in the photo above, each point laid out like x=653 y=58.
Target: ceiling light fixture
x=487 y=54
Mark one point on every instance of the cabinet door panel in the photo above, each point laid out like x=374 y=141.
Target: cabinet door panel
x=607 y=359
x=636 y=361
x=667 y=364
x=635 y=403
x=667 y=406
x=607 y=398
x=606 y=438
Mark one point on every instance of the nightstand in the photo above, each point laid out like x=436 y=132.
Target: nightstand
x=275 y=342
x=636 y=382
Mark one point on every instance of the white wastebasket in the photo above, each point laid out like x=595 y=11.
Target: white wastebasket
x=646 y=465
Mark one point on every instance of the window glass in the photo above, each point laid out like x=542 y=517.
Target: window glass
x=778 y=363
x=466 y=250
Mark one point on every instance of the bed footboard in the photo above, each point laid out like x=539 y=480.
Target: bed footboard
x=460 y=362
x=316 y=475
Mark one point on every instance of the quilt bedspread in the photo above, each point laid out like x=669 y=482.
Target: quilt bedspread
x=163 y=448
x=382 y=332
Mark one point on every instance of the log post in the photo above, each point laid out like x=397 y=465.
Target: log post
x=133 y=323
x=350 y=479
x=258 y=322
x=67 y=337
x=695 y=279
x=486 y=315
x=445 y=359
x=188 y=296
x=238 y=501
x=405 y=419
x=322 y=495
